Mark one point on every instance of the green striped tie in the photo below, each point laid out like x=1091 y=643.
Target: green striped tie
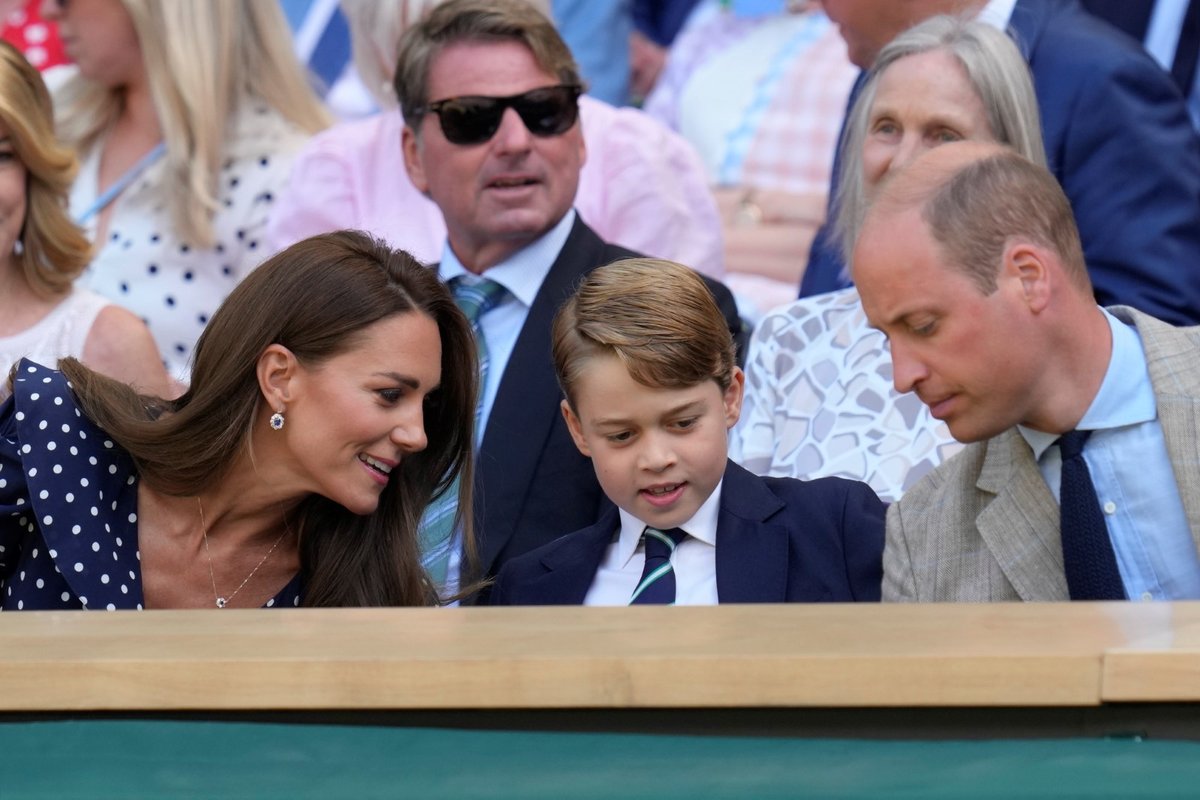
x=437 y=525
x=657 y=585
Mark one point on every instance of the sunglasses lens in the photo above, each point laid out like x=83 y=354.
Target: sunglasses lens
x=548 y=112
x=474 y=119
x=470 y=120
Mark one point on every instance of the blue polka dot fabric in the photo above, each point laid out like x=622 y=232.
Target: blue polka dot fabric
x=68 y=505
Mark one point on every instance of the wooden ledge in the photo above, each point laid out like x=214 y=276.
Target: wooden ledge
x=542 y=658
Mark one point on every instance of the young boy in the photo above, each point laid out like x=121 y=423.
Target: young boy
x=646 y=362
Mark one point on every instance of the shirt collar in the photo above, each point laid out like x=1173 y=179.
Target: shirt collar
x=702 y=526
x=1126 y=396
x=997 y=13
x=521 y=273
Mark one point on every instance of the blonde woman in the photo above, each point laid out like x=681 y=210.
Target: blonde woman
x=186 y=114
x=43 y=316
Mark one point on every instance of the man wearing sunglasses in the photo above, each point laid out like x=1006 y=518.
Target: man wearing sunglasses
x=489 y=95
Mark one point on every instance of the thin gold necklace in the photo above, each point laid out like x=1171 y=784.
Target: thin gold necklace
x=222 y=602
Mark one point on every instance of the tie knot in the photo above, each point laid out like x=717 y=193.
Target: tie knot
x=477 y=297
x=660 y=544
x=1071 y=443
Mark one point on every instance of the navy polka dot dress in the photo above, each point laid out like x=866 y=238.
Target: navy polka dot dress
x=68 y=506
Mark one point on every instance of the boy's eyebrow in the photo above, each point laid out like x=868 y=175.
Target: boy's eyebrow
x=691 y=405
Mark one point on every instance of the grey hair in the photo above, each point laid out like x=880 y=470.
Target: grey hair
x=999 y=75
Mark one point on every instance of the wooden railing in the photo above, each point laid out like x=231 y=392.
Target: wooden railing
x=798 y=656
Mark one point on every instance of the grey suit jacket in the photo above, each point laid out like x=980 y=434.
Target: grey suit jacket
x=984 y=526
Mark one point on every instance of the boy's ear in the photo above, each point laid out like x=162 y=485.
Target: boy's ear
x=575 y=428
x=733 y=397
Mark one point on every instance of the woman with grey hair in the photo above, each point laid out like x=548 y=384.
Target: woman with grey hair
x=819 y=394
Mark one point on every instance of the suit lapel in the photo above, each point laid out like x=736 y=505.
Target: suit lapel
x=1173 y=358
x=571 y=569
x=526 y=404
x=1020 y=526
x=1027 y=23
x=752 y=553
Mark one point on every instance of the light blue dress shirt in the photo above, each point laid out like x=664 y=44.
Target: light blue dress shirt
x=522 y=275
x=1127 y=457
x=597 y=32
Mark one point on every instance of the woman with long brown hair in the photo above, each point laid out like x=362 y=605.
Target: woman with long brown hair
x=332 y=396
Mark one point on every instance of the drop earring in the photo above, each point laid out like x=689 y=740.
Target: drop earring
x=18 y=247
x=276 y=421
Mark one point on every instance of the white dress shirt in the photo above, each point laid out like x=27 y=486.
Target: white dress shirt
x=997 y=13
x=694 y=560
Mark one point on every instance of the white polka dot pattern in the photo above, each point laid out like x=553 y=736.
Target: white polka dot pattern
x=58 y=549
x=176 y=285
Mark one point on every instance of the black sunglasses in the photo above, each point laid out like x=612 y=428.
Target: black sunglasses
x=474 y=119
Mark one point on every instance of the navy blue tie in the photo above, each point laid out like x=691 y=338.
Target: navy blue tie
x=1088 y=557
x=1183 y=68
x=657 y=585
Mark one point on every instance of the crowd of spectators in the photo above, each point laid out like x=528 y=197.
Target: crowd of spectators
x=290 y=287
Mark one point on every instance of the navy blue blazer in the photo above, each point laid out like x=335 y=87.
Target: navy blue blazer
x=779 y=540
x=531 y=482
x=1133 y=18
x=1119 y=140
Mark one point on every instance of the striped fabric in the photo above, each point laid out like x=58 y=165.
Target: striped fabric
x=657 y=585
x=437 y=526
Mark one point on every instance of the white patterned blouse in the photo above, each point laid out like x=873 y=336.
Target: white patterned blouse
x=820 y=401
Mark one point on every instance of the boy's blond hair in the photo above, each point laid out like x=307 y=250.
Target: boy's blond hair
x=658 y=317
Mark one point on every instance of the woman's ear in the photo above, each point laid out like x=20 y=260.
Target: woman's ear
x=278 y=376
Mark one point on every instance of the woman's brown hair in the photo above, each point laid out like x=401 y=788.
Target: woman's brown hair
x=314 y=298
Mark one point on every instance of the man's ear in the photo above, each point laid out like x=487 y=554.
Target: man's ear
x=410 y=145
x=1027 y=264
x=575 y=428
x=733 y=397
x=278 y=373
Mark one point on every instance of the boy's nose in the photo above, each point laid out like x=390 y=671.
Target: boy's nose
x=657 y=454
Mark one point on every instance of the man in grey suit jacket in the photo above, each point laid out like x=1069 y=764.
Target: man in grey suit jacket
x=970 y=262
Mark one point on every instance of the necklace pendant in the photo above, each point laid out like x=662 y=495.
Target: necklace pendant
x=221 y=601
